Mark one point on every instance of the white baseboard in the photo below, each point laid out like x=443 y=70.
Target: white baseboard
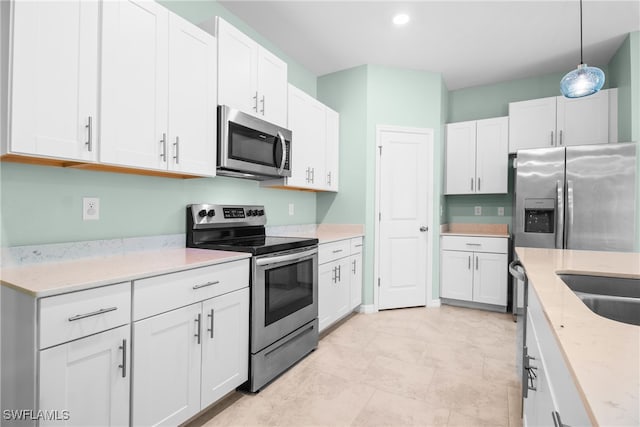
x=434 y=303
x=367 y=309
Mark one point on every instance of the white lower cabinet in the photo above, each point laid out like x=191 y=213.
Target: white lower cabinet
x=87 y=380
x=339 y=280
x=474 y=269
x=552 y=396
x=187 y=358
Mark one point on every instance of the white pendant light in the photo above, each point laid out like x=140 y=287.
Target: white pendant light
x=584 y=80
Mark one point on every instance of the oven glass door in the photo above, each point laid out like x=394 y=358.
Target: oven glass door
x=284 y=295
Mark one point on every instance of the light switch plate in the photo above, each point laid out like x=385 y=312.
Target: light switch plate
x=291 y=209
x=501 y=211
x=477 y=210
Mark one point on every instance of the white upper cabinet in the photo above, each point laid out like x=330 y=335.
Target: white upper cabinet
x=158 y=90
x=54 y=84
x=332 y=157
x=135 y=79
x=477 y=157
x=192 y=99
x=250 y=78
x=557 y=121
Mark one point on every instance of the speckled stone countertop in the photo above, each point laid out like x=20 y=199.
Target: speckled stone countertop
x=325 y=233
x=476 y=230
x=46 y=279
x=602 y=354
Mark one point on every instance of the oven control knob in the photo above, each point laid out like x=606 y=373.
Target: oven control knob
x=202 y=213
x=249 y=212
x=211 y=213
x=261 y=212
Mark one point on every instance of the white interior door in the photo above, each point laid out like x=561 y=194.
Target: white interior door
x=404 y=197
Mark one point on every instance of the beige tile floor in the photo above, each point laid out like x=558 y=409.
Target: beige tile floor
x=444 y=366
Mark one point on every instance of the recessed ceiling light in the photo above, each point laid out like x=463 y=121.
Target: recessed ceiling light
x=401 y=19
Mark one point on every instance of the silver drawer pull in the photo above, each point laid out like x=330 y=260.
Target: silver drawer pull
x=337 y=251
x=93 y=313
x=473 y=244
x=358 y=246
x=204 y=285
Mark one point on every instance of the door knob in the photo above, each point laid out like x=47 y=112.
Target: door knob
x=423 y=228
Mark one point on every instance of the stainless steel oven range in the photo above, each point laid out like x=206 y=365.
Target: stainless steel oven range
x=284 y=284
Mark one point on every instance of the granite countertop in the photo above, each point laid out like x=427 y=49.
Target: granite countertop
x=325 y=233
x=603 y=355
x=47 y=279
x=475 y=230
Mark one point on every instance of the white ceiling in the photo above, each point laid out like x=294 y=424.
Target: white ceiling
x=471 y=43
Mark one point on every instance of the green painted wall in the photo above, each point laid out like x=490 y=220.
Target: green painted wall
x=42 y=204
x=368 y=96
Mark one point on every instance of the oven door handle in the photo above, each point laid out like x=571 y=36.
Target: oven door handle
x=284 y=258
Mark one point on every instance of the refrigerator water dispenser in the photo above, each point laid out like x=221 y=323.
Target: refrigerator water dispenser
x=539 y=215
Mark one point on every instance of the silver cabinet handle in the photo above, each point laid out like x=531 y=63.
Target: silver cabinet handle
x=337 y=251
x=476 y=262
x=313 y=175
x=255 y=102
x=557 y=422
x=262 y=101
x=89 y=127
x=204 y=285
x=561 y=142
x=329 y=178
x=339 y=273
x=551 y=139
x=469 y=263
x=123 y=347
x=163 y=146
x=473 y=244
x=93 y=313
x=472 y=184
x=478 y=183
x=334 y=274
x=559 y=214
x=198 y=321
x=176 y=144
x=424 y=228
x=354 y=266
x=307 y=179
x=210 y=330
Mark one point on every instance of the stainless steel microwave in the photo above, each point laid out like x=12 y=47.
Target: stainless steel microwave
x=251 y=148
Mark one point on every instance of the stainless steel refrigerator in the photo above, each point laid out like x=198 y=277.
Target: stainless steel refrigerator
x=577 y=197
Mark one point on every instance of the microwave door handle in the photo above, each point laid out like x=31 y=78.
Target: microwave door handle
x=281 y=141
x=559 y=214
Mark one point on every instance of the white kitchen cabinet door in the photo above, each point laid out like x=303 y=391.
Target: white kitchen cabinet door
x=332 y=150
x=191 y=144
x=272 y=88
x=237 y=69
x=532 y=124
x=457 y=275
x=492 y=155
x=355 y=280
x=490 y=278
x=54 y=79
x=342 y=294
x=89 y=378
x=326 y=294
x=166 y=367
x=134 y=98
x=582 y=121
x=307 y=123
x=225 y=344
x=461 y=158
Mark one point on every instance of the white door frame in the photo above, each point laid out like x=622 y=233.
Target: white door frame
x=430 y=203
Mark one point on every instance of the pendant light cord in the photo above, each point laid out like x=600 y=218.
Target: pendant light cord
x=581 y=32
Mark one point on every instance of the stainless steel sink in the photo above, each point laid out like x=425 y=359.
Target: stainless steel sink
x=615 y=298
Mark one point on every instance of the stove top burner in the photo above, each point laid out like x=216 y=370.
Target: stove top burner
x=238 y=229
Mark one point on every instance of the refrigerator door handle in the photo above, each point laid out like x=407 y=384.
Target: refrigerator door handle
x=559 y=214
x=569 y=222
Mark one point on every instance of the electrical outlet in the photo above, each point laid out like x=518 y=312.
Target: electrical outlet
x=477 y=210
x=291 y=209
x=90 y=208
x=501 y=211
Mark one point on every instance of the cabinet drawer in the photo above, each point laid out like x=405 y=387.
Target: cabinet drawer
x=159 y=294
x=328 y=252
x=77 y=314
x=356 y=245
x=475 y=244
